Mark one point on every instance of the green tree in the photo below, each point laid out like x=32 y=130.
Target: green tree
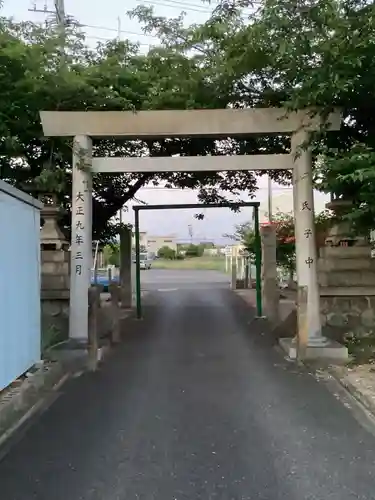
x=114 y=76
x=194 y=250
x=285 y=53
x=166 y=252
x=285 y=237
x=311 y=61
x=112 y=254
x=296 y=54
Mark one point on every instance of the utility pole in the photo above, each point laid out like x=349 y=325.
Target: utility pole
x=61 y=25
x=43 y=11
x=269 y=199
x=119 y=39
x=118 y=29
x=59 y=14
x=190 y=229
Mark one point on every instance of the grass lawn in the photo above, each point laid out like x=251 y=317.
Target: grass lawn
x=204 y=263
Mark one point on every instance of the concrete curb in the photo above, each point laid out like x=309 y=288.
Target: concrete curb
x=21 y=401
x=338 y=375
x=24 y=398
x=336 y=372
x=18 y=401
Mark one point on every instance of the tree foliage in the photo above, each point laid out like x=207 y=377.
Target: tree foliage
x=321 y=55
x=285 y=237
x=294 y=53
x=298 y=54
x=194 y=250
x=111 y=254
x=166 y=252
x=114 y=76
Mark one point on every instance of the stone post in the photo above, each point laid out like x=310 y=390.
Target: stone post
x=81 y=243
x=247 y=269
x=126 y=267
x=270 y=289
x=233 y=281
x=306 y=251
x=114 y=290
x=93 y=334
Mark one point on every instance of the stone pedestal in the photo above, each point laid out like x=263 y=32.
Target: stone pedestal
x=270 y=288
x=233 y=280
x=347 y=291
x=126 y=267
x=55 y=290
x=346 y=275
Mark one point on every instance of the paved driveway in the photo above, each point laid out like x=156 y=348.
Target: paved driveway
x=196 y=404
x=155 y=279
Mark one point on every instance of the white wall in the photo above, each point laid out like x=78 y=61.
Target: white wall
x=20 y=327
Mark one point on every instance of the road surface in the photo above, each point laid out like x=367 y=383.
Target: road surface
x=159 y=279
x=195 y=404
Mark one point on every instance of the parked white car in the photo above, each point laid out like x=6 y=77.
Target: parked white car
x=144 y=261
x=145 y=264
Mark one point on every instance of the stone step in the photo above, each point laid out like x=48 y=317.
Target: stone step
x=348 y=278
x=345 y=252
x=347 y=264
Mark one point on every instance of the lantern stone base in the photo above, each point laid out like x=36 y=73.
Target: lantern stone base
x=332 y=351
x=347 y=291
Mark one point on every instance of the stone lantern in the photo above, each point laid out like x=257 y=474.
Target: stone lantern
x=341 y=234
x=55 y=265
x=346 y=274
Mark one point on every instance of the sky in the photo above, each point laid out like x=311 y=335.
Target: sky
x=102 y=21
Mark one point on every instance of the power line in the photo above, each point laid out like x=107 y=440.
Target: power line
x=102 y=38
x=181 y=2
x=177 y=5
x=161 y=188
x=59 y=15
x=105 y=28
x=188 y=5
x=61 y=18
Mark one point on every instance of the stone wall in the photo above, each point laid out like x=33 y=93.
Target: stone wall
x=347 y=314
x=351 y=314
x=54 y=296
x=347 y=291
x=55 y=321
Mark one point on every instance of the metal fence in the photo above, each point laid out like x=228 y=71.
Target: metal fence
x=20 y=329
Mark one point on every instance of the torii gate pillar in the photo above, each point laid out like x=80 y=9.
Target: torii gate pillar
x=309 y=342
x=81 y=238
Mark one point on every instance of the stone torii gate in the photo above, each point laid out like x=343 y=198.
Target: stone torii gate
x=216 y=123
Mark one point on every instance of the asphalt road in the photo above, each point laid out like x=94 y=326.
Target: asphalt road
x=157 y=279
x=195 y=404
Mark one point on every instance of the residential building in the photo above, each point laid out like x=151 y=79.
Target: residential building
x=213 y=252
x=235 y=249
x=154 y=243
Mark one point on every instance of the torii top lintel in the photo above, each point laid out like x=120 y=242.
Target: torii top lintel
x=182 y=123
